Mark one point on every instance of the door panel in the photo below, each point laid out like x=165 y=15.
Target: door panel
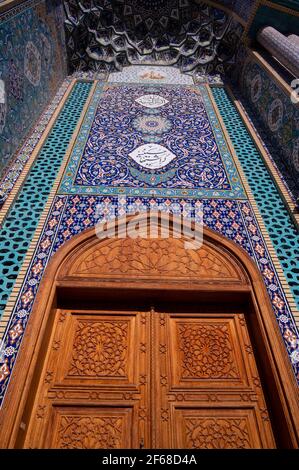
x=94 y=378
x=209 y=383
x=90 y=428
x=214 y=428
x=149 y=379
x=98 y=349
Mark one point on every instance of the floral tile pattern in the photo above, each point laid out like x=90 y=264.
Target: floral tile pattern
x=116 y=136
x=33 y=65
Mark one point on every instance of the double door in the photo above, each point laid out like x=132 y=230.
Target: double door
x=119 y=379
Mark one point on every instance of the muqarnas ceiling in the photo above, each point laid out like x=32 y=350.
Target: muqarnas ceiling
x=110 y=34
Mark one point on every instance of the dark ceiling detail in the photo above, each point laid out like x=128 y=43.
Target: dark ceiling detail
x=109 y=34
x=243 y=8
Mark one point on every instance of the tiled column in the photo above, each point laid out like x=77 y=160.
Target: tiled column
x=294 y=38
x=281 y=47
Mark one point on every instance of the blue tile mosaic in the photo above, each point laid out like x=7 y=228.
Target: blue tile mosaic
x=182 y=150
x=33 y=64
x=274 y=109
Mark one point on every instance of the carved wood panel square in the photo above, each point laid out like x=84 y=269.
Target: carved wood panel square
x=93 y=428
x=205 y=350
x=98 y=349
x=216 y=429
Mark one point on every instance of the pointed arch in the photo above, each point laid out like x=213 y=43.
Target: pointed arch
x=152 y=255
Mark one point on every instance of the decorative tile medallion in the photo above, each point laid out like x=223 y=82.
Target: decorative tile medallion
x=32 y=65
x=152 y=156
x=151 y=101
x=152 y=127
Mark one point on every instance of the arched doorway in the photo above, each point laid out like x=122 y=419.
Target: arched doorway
x=141 y=343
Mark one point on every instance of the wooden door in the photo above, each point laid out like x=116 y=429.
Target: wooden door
x=209 y=392
x=149 y=379
x=93 y=391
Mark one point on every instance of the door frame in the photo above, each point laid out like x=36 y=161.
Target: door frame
x=282 y=393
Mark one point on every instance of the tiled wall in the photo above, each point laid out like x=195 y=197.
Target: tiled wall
x=274 y=110
x=32 y=66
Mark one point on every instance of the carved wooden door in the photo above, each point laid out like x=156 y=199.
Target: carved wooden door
x=93 y=391
x=152 y=380
x=210 y=393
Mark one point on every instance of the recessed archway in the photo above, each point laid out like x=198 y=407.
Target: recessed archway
x=152 y=292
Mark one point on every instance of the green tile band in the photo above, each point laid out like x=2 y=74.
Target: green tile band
x=281 y=229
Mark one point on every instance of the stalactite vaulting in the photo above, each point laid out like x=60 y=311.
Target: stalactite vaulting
x=111 y=34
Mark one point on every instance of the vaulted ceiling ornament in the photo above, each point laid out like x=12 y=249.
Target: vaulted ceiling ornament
x=107 y=35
